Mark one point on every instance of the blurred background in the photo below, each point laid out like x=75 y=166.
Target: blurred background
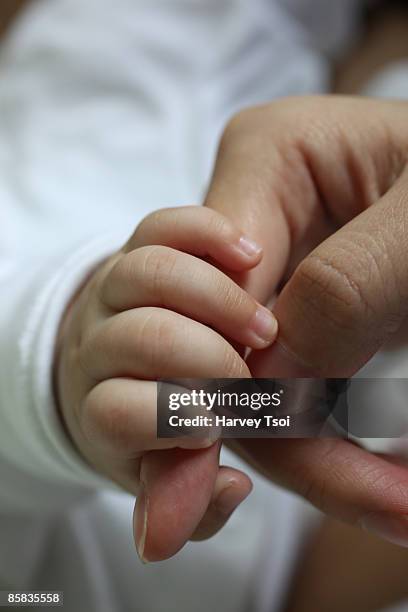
x=365 y=574
x=385 y=40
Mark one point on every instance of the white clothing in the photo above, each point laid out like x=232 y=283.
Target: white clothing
x=109 y=110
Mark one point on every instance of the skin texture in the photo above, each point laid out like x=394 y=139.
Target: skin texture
x=141 y=316
x=351 y=75
x=322 y=185
x=365 y=60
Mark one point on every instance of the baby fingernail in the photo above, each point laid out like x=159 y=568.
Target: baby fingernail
x=249 y=247
x=389 y=526
x=264 y=327
x=141 y=524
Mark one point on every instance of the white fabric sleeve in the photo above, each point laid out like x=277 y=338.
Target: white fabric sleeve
x=76 y=136
x=39 y=467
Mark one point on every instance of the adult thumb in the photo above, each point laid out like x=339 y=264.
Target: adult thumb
x=346 y=298
x=340 y=305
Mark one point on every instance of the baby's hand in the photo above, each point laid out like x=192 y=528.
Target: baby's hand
x=153 y=310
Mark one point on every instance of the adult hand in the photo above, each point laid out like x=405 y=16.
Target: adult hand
x=321 y=183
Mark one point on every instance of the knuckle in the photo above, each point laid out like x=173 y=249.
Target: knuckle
x=98 y=283
x=105 y=420
x=316 y=485
x=103 y=347
x=152 y=218
x=157 y=267
x=219 y=226
x=150 y=223
x=85 y=354
x=118 y=274
x=257 y=118
x=158 y=339
x=93 y=413
x=334 y=288
x=149 y=230
x=180 y=214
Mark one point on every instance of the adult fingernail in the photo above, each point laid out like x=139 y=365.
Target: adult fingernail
x=263 y=327
x=248 y=247
x=389 y=526
x=142 y=505
x=229 y=499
